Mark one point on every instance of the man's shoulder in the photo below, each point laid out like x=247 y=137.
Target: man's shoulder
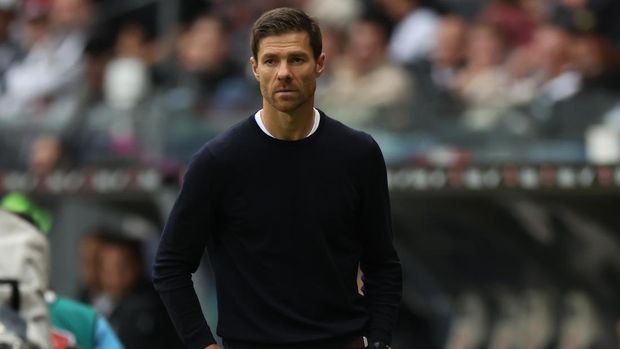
x=352 y=146
x=347 y=135
x=230 y=139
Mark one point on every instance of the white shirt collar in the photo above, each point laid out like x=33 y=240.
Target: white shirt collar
x=261 y=124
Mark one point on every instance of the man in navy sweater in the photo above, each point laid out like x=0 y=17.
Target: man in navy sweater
x=289 y=203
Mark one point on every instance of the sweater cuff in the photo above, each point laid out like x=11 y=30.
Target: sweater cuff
x=201 y=341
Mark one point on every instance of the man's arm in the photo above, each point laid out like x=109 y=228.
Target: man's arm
x=181 y=249
x=380 y=263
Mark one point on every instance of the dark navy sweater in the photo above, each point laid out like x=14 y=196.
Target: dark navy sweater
x=285 y=224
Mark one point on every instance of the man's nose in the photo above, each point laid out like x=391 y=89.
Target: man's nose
x=283 y=73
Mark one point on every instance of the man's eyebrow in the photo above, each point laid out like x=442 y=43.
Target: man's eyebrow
x=267 y=55
x=298 y=53
x=289 y=54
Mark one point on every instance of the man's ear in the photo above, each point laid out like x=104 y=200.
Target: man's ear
x=320 y=64
x=254 y=65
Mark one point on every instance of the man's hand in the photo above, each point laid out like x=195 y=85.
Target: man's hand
x=213 y=346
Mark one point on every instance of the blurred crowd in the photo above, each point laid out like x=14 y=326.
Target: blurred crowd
x=92 y=82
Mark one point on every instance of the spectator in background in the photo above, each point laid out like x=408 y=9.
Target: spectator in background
x=448 y=57
x=126 y=124
x=47 y=154
x=46 y=84
x=334 y=40
x=8 y=46
x=435 y=78
x=335 y=22
x=204 y=87
x=551 y=54
x=597 y=61
x=543 y=70
x=366 y=90
x=98 y=52
x=415 y=32
x=205 y=66
x=89 y=266
x=337 y=14
x=482 y=83
x=566 y=72
x=577 y=83
x=592 y=16
x=239 y=15
x=538 y=10
x=137 y=38
x=128 y=299
x=512 y=19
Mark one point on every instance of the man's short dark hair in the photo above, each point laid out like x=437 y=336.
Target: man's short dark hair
x=286 y=20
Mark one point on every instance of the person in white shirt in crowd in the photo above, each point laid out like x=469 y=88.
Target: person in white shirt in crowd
x=416 y=29
x=551 y=50
x=437 y=102
x=45 y=84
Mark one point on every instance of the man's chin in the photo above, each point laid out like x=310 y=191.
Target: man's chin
x=286 y=107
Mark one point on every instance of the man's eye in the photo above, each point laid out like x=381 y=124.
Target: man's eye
x=298 y=60
x=269 y=61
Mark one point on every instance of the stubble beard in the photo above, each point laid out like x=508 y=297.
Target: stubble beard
x=286 y=105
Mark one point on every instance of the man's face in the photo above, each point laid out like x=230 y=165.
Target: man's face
x=397 y=9
x=451 y=40
x=367 y=46
x=89 y=257
x=551 y=48
x=119 y=271
x=287 y=71
x=205 y=46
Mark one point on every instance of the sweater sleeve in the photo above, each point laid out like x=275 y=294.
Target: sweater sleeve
x=181 y=249
x=379 y=263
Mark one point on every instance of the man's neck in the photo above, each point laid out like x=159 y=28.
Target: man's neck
x=291 y=126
